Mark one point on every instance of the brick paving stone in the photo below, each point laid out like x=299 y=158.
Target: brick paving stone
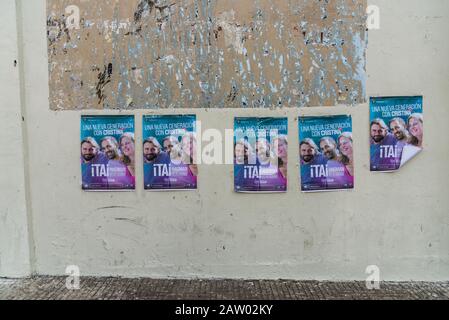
x=53 y=288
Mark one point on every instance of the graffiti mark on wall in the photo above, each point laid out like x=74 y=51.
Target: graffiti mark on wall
x=111 y=54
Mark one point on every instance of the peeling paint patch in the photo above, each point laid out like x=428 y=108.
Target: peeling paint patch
x=206 y=54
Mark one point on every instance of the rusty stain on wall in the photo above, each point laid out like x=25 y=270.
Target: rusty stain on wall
x=112 y=54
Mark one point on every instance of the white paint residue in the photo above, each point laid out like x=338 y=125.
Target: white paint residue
x=233 y=33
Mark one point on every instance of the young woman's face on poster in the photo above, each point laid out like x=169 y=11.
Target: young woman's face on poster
x=345 y=146
x=127 y=146
x=415 y=127
x=281 y=148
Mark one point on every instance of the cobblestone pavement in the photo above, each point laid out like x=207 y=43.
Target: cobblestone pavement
x=44 y=288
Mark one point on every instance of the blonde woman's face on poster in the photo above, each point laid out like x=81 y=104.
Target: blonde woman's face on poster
x=127 y=146
x=346 y=146
x=415 y=127
x=281 y=148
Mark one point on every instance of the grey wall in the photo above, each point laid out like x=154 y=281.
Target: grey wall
x=397 y=221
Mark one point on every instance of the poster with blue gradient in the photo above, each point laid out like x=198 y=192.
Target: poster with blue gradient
x=260 y=154
x=326 y=153
x=107 y=153
x=169 y=152
x=396 y=131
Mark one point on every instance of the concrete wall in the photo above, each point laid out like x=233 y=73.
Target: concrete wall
x=396 y=221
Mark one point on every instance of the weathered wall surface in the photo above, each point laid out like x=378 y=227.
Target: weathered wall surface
x=205 y=54
x=397 y=221
x=14 y=248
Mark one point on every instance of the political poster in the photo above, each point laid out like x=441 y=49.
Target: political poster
x=107 y=153
x=169 y=152
x=326 y=153
x=260 y=154
x=396 y=131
